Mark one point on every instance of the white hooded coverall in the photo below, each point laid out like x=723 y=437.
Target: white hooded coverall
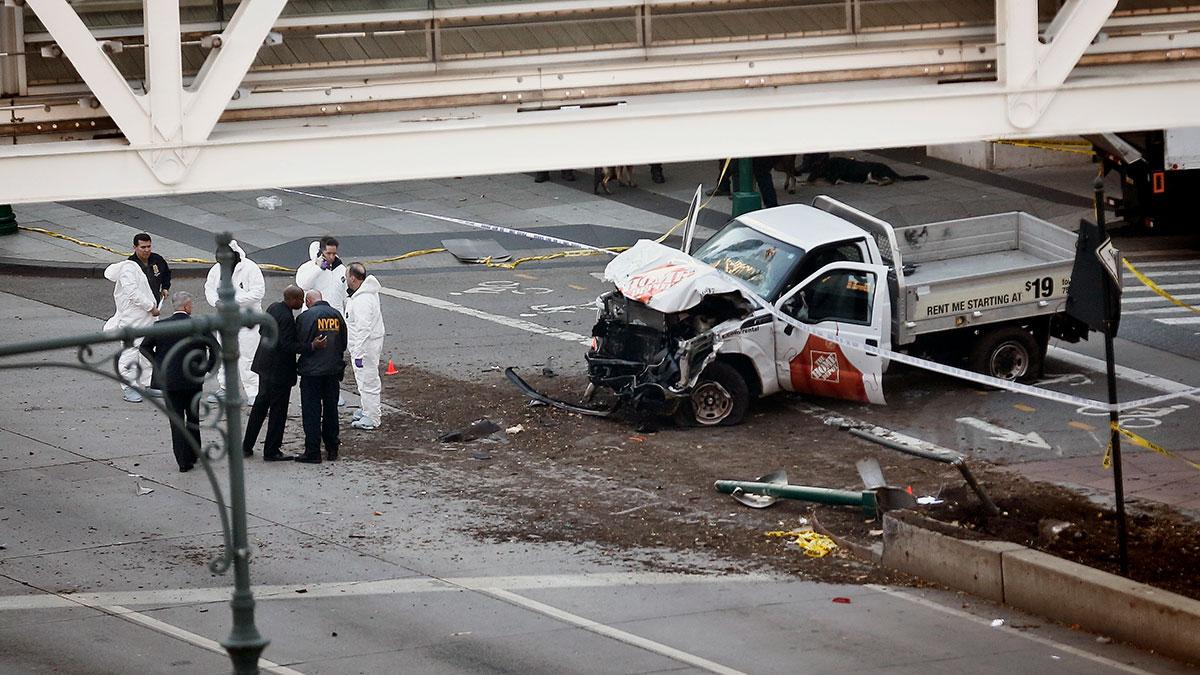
x=134 y=301
x=331 y=283
x=364 y=325
x=249 y=289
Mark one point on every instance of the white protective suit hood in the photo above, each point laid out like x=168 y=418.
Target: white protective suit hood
x=248 y=283
x=131 y=294
x=667 y=279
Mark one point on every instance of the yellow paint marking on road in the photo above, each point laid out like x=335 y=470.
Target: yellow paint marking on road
x=578 y=288
x=1083 y=426
x=1024 y=408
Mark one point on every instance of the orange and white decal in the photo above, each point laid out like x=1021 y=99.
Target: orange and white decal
x=646 y=285
x=821 y=368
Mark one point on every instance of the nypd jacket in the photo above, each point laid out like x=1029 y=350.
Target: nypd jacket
x=321 y=319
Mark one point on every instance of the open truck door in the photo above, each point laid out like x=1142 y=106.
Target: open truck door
x=846 y=299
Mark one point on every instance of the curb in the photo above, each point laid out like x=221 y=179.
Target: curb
x=1043 y=584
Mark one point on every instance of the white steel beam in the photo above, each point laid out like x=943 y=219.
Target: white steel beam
x=1032 y=70
x=12 y=48
x=225 y=67
x=694 y=126
x=164 y=67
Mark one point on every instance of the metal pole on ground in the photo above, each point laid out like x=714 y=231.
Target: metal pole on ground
x=1113 y=415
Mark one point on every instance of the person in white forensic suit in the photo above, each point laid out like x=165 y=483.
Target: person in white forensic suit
x=364 y=321
x=324 y=272
x=248 y=291
x=135 y=306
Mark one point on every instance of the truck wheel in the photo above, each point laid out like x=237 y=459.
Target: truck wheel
x=720 y=397
x=1008 y=353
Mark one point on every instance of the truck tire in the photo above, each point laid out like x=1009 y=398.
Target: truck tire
x=720 y=397
x=1009 y=353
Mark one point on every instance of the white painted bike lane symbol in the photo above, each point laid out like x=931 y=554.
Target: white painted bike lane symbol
x=1135 y=418
x=498 y=286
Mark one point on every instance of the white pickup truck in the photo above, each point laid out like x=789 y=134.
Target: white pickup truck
x=701 y=335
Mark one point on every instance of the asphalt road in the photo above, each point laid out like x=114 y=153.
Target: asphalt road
x=98 y=577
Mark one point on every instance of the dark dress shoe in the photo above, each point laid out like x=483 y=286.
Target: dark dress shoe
x=248 y=453
x=656 y=173
x=331 y=456
x=186 y=468
x=280 y=457
x=541 y=176
x=306 y=459
x=568 y=175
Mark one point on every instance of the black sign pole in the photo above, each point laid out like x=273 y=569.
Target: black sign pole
x=1113 y=416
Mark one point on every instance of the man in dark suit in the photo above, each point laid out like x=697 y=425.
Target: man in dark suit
x=276 y=368
x=182 y=389
x=320 y=372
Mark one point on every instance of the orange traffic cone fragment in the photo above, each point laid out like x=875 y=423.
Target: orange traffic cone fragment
x=391 y=368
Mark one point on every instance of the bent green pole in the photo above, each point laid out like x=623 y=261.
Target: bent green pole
x=864 y=499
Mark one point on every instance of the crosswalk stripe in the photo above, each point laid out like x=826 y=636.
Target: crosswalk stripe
x=1181 y=321
x=1156 y=298
x=1165 y=287
x=1156 y=310
x=1165 y=263
x=1168 y=273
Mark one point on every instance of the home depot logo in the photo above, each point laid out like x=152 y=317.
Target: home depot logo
x=642 y=287
x=825 y=366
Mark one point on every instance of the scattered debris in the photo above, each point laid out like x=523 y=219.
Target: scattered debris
x=877 y=497
x=301 y=590
x=481 y=455
x=269 y=202
x=137 y=482
x=755 y=501
x=1104 y=639
x=814 y=544
x=996 y=623
x=1050 y=528
x=515 y=429
x=929 y=501
x=476 y=250
x=547 y=371
x=842 y=600
x=474 y=431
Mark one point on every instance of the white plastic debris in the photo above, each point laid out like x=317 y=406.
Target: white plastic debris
x=137 y=482
x=515 y=429
x=269 y=202
x=925 y=501
x=996 y=623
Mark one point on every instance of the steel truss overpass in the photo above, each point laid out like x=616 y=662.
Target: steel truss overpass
x=110 y=98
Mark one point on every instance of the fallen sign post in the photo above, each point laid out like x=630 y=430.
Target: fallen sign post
x=877 y=497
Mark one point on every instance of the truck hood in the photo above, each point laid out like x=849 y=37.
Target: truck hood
x=669 y=280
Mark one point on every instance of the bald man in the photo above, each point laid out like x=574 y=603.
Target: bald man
x=321 y=371
x=276 y=368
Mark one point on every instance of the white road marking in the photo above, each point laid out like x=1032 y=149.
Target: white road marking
x=1157 y=310
x=1181 y=321
x=191 y=638
x=510 y=322
x=1158 y=298
x=1167 y=273
x=192 y=596
x=1165 y=287
x=999 y=433
x=1095 y=658
x=1125 y=373
x=1164 y=263
x=613 y=633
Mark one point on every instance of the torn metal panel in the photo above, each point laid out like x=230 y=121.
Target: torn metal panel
x=476 y=250
x=562 y=405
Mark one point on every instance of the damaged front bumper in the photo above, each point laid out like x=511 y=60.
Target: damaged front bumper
x=536 y=395
x=655 y=384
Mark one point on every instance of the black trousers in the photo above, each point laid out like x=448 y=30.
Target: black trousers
x=270 y=405
x=182 y=402
x=318 y=408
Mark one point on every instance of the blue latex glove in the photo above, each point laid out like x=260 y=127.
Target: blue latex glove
x=324 y=264
x=358 y=362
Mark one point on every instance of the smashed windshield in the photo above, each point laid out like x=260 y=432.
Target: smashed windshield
x=762 y=261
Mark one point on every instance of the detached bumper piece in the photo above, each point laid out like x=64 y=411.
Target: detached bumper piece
x=532 y=393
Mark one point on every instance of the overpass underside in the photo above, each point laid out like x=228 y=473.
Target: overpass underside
x=107 y=98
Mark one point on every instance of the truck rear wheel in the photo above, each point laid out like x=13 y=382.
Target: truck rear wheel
x=1008 y=353
x=720 y=397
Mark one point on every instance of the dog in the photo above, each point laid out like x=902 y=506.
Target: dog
x=602 y=175
x=848 y=170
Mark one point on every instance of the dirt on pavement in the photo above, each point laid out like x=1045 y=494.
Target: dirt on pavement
x=648 y=496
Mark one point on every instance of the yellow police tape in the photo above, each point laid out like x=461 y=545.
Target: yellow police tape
x=1077 y=147
x=814 y=544
x=512 y=264
x=1141 y=443
x=1156 y=288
